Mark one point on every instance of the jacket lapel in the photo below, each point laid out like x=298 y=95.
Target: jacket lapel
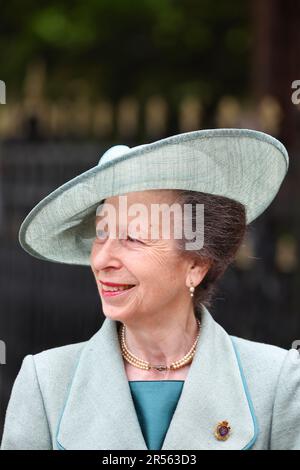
x=99 y=412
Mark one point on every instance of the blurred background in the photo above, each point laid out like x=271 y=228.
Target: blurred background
x=82 y=76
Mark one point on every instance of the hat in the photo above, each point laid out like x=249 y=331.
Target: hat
x=245 y=165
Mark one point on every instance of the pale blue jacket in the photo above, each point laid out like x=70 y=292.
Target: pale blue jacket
x=78 y=397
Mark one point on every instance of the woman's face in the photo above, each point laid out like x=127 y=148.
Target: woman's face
x=157 y=270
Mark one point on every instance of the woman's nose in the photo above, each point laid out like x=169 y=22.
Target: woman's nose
x=106 y=254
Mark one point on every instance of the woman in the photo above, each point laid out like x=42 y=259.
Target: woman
x=160 y=373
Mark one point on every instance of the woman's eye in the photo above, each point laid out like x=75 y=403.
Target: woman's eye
x=134 y=240
x=101 y=234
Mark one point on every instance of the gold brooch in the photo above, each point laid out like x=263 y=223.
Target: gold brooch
x=222 y=431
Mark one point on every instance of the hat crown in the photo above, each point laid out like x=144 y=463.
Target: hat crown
x=112 y=153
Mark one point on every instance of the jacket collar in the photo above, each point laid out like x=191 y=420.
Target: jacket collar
x=99 y=412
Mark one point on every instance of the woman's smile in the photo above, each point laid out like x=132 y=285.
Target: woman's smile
x=113 y=293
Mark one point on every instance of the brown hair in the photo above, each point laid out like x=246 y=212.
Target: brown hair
x=224 y=231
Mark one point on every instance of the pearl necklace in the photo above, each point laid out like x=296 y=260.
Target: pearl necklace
x=141 y=364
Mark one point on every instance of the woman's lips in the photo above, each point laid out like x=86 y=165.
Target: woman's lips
x=115 y=293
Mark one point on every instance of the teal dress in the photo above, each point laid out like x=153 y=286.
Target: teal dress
x=155 y=402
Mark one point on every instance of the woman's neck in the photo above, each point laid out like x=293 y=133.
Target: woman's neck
x=160 y=346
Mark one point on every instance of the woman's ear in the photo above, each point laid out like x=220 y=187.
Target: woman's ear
x=197 y=272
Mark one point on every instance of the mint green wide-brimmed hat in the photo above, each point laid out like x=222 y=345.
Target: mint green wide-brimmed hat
x=245 y=165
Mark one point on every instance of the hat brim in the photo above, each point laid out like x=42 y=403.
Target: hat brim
x=242 y=164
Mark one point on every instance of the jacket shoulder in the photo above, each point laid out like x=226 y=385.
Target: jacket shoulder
x=273 y=376
x=65 y=352
x=259 y=360
x=57 y=365
x=259 y=351
x=38 y=396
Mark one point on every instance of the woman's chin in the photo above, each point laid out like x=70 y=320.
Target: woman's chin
x=116 y=314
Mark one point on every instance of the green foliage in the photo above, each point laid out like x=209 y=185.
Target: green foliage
x=129 y=46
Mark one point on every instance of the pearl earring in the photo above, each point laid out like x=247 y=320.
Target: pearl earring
x=192 y=289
